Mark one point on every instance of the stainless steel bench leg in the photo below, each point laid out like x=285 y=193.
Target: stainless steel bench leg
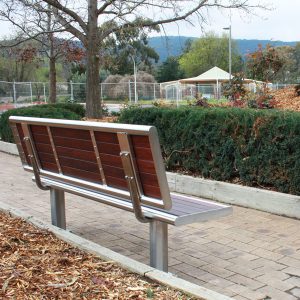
x=159 y=245
x=58 y=216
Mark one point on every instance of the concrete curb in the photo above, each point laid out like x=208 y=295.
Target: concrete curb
x=8 y=148
x=125 y=262
x=268 y=201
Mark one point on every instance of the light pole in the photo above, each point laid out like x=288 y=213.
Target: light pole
x=135 y=74
x=229 y=28
x=135 y=88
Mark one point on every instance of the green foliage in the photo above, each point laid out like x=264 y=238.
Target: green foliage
x=76 y=108
x=127 y=44
x=264 y=63
x=254 y=147
x=169 y=70
x=207 y=52
x=235 y=89
x=56 y=111
x=150 y=293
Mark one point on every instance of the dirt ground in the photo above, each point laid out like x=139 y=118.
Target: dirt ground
x=34 y=264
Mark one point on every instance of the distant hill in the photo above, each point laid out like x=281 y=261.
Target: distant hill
x=173 y=45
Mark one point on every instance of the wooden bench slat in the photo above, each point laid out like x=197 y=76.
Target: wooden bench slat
x=46 y=157
x=77 y=154
x=140 y=141
x=81 y=174
x=78 y=164
x=73 y=143
x=113 y=171
x=145 y=166
x=151 y=191
x=47 y=166
x=70 y=133
x=116 y=182
x=143 y=154
x=106 y=137
x=38 y=129
x=46 y=148
x=106 y=148
x=150 y=179
x=111 y=160
x=41 y=138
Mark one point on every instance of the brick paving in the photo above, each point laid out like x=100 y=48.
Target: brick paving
x=248 y=255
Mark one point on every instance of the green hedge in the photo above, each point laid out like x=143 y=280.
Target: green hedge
x=56 y=111
x=74 y=107
x=253 y=147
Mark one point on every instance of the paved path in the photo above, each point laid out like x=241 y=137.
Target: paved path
x=249 y=255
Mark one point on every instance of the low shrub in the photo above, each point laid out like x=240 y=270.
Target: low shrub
x=55 y=111
x=74 y=107
x=253 y=147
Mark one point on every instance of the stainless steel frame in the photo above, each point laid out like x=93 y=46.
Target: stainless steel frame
x=150 y=131
x=133 y=187
x=159 y=245
x=34 y=164
x=57 y=201
x=54 y=150
x=96 y=150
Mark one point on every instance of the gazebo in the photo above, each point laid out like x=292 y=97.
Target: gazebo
x=211 y=79
x=210 y=82
x=214 y=75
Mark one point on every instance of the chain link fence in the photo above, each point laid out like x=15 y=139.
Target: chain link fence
x=17 y=94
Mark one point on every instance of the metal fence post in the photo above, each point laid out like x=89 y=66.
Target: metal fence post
x=177 y=95
x=154 y=96
x=45 y=98
x=30 y=88
x=72 y=91
x=129 y=91
x=15 y=92
x=57 y=200
x=159 y=245
x=101 y=92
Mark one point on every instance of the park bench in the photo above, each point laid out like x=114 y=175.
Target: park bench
x=117 y=164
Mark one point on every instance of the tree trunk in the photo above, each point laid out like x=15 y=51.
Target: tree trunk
x=93 y=103
x=52 y=61
x=52 y=79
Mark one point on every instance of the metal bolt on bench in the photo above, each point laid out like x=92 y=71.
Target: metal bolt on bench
x=116 y=164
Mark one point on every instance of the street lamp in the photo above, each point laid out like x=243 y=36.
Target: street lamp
x=229 y=28
x=135 y=74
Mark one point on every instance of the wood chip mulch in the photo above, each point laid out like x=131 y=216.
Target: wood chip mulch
x=34 y=264
x=286 y=99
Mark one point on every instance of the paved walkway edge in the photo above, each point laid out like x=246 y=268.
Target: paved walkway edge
x=125 y=262
x=268 y=201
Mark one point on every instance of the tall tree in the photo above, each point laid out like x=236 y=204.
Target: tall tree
x=169 y=70
x=37 y=23
x=103 y=18
x=131 y=44
x=265 y=63
x=20 y=63
x=209 y=51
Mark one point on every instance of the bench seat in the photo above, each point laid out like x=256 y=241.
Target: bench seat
x=185 y=209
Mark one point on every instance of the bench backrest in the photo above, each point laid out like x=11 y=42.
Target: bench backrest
x=98 y=156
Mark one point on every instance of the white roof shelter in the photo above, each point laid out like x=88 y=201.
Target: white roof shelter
x=213 y=75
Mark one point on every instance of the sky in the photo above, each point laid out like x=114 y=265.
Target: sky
x=280 y=23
